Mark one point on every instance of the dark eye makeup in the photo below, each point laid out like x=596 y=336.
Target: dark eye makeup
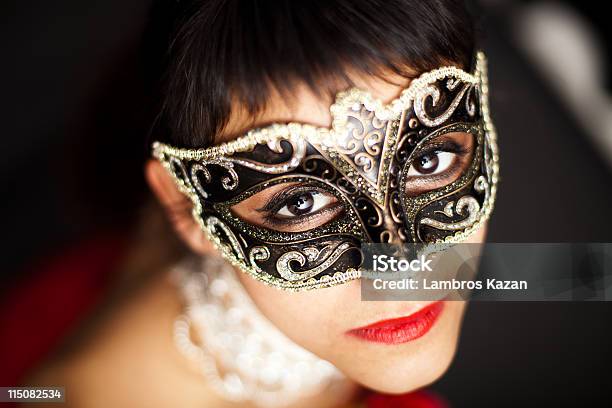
x=438 y=164
x=300 y=204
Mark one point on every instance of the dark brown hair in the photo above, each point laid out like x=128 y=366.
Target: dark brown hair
x=240 y=50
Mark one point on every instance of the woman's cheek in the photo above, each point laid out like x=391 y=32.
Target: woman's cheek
x=313 y=319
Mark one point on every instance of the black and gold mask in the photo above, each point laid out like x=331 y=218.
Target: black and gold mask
x=422 y=169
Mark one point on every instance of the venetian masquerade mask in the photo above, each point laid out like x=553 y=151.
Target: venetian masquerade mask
x=421 y=169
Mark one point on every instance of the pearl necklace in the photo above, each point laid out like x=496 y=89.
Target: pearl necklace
x=241 y=354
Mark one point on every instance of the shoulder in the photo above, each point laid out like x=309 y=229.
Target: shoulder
x=128 y=358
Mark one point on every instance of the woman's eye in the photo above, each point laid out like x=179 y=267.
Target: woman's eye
x=440 y=163
x=432 y=163
x=290 y=207
x=304 y=203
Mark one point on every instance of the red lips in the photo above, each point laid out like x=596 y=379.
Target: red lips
x=403 y=329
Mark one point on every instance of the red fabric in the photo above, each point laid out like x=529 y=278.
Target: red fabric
x=417 y=399
x=39 y=311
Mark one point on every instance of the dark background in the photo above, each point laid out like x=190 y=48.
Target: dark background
x=79 y=92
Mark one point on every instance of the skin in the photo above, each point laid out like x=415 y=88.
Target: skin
x=318 y=320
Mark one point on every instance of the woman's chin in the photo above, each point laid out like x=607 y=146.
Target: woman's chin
x=405 y=367
x=404 y=378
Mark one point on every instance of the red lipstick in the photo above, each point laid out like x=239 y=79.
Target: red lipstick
x=403 y=329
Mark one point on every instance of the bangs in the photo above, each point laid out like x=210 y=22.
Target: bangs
x=242 y=51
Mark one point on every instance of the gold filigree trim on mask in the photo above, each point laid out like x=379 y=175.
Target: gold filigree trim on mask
x=491 y=158
x=260 y=254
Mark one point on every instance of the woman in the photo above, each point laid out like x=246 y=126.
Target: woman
x=296 y=133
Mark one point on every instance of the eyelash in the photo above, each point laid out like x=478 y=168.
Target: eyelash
x=444 y=146
x=278 y=201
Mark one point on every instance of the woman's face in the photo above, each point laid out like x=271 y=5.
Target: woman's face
x=394 y=358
